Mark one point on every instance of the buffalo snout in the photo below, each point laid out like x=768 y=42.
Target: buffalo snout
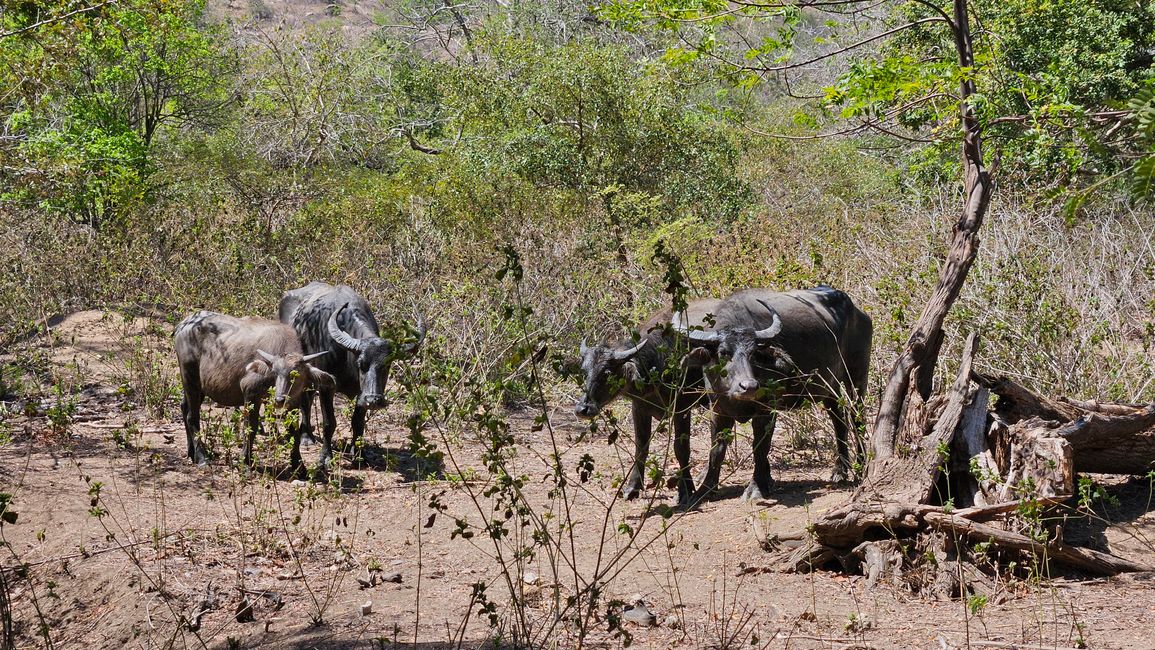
x=371 y=401
x=586 y=410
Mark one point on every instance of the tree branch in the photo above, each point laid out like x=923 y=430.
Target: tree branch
x=54 y=19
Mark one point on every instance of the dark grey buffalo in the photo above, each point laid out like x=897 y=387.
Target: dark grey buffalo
x=641 y=371
x=234 y=362
x=771 y=351
x=337 y=320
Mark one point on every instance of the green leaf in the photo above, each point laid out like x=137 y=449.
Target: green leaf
x=1142 y=186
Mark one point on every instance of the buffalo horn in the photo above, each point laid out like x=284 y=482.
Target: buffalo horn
x=584 y=348
x=697 y=336
x=267 y=357
x=623 y=355
x=310 y=357
x=343 y=339
x=775 y=327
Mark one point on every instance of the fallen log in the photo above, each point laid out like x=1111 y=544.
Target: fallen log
x=1104 y=437
x=1084 y=559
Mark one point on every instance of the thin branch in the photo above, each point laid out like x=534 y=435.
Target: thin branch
x=852 y=46
x=55 y=19
x=417 y=146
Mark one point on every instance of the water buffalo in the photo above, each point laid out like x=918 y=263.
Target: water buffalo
x=337 y=320
x=234 y=362
x=640 y=370
x=771 y=351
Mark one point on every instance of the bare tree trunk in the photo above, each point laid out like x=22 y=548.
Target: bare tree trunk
x=922 y=348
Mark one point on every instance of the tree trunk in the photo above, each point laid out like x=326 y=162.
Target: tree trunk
x=922 y=348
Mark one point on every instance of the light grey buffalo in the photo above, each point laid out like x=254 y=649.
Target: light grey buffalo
x=640 y=370
x=234 y=362
x=770 y=351
x=337 y=320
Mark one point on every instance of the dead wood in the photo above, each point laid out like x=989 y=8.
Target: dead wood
x=847 y=526
x=1084 y=559
x=1114 y=444
x=881 y=560
x=804 y=559
x=1017 y=402
x=911 y=478
x=986 y=513
x=1104 y=437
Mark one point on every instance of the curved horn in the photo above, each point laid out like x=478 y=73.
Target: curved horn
x=310 y=357
x=773 y=330
x=697 y=336
x=421 y=330
x=623 y=355
x=584 y=348
x=343 y=339
x=267 y=357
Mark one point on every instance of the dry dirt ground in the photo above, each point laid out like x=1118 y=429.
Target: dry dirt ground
x=161 y=543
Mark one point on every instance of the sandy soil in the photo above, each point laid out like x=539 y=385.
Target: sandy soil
x=173 y=539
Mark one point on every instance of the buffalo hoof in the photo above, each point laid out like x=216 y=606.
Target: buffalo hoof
x=840 y=475
x=307 y=439
x=701 y=495
x=200 y=457
x=685 y=493
x=631 y=491
x=756 y=492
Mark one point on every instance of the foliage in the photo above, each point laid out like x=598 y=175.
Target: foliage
x=87 y=98
x=1054 y=78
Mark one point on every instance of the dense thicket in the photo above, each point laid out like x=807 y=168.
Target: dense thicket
x=155 y=153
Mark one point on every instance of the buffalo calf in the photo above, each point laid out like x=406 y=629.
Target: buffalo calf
x=234 y=362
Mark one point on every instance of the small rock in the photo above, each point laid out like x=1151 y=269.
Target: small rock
x=530 y=578
x=366 y=608
x=639 y=614
x=673 y=622
x=391 y=577
x=298 y=483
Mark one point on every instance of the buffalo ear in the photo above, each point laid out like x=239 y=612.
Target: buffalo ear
x=697 y=358
x=258 y=377
x=630 y=371
x=259 y=368
x=567 y=366
x=321 y=379
x=782 y=361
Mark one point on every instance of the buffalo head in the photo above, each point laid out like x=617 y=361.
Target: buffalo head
x=606 y=372
x=736 y=360
x=374 y=355
x=290 y=375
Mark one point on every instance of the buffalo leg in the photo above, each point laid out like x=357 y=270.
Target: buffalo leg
x=306 y=418
x=759 y=487
x=358 y=426
x=643 y=432
x=682 y=453
x=844 y=419
x=328 y=426
x=721 y=429
x=295 y=454
x=254 y=417
x=190 y=410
